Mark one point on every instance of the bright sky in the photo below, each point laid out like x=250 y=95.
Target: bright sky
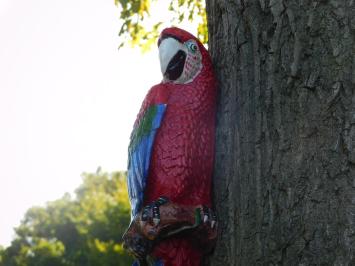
x=68 y=98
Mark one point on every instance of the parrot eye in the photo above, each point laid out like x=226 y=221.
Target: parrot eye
x=191 y=46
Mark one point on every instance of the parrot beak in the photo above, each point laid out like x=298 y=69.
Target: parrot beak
x=172 y=57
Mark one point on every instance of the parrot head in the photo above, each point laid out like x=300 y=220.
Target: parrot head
x=181 y=55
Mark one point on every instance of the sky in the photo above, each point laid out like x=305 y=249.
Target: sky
x=68 y=99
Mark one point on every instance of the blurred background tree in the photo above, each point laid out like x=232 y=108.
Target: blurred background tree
x=134 y=32
x=85 y=230
x=1 y=254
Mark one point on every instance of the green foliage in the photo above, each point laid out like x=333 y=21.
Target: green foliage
x=84 y=231
x=134 y=14
x=192 y=9
x=1 y=254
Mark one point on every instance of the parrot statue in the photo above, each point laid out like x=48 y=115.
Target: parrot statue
x=171 y=151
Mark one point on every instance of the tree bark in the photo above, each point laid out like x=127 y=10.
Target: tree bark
x=284 y=181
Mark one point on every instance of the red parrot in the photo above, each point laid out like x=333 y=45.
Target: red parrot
x=171 y=152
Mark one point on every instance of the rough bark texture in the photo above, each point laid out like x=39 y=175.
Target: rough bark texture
x=285 y=157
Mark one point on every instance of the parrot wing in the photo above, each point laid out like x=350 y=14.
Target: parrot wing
x=139 y=153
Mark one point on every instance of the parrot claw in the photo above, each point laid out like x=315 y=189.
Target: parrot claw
x=145 y=213
x=156 y=221
x=205 y=219
x=213 y=223
x=209 y=217
x=214 y=220
x=156 y=214
x=206 y=214
x=151 y=212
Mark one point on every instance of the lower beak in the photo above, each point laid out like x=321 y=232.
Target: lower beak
x=176 y=66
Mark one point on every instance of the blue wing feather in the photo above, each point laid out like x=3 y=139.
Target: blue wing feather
x=139 y=154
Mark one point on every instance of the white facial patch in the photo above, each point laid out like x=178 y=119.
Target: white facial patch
x=167 y=49
x=193 y=63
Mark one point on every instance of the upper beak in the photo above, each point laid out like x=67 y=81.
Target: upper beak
x=172 y=55
x=168 y=48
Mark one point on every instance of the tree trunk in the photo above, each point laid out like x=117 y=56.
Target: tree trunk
x=284 y=183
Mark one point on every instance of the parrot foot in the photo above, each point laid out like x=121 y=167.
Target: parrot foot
x=151 y=212
x=162 y=219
